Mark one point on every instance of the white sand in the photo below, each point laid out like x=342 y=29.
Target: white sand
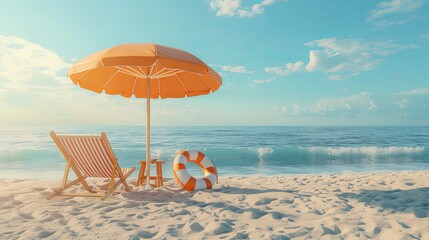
x=351 y=206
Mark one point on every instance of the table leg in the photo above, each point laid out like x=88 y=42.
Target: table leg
x=141 y=175
x=159 y=174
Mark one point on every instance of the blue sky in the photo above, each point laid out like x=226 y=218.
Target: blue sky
x=295 y=62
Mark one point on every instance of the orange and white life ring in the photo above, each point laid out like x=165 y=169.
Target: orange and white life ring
x=185 y=179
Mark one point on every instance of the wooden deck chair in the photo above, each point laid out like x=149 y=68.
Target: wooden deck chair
x=89 y=156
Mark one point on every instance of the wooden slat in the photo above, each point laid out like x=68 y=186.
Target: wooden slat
x=79 y=136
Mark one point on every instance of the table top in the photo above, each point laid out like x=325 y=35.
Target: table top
x=151 y=161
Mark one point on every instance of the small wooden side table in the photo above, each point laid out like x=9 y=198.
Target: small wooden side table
x=142 y=173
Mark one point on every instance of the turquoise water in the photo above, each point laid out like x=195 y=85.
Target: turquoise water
x=28 y=152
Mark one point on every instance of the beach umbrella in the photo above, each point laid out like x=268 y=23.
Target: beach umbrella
x=145 y=71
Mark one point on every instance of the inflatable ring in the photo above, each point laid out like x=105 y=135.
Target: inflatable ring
x=188 y=182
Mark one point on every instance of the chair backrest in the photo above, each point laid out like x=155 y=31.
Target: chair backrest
x=92 y=154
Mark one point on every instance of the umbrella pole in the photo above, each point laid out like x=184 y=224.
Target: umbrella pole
x=148 y=187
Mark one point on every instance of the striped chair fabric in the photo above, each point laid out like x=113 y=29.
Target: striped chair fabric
x=91 y=155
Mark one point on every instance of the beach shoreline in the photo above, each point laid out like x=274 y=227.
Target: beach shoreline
x=391 y=205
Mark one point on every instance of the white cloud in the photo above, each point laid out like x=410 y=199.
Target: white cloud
x=361 y=108
x=349 y=55
x=402 y=104
x=225 y=7
x=424 y=36
x=284 y=109
x=342 y=77
x=263 y=81
x=32 y=79
x=295 y=67
x=384 y=23
x=287 y=69
x=345 y=56
x=337 y=77
x=26 y=64
x=394 y=12
x=226 y=85
x=256 y=9
x=394 y=7
x=361 y=102
x=297 y=109
x=331 y=105
x=236 y=69
x=352 y=104
x=275 y=108
x=372 y=106
x=233 y=69
x=234 y=8
x=260 y=81
x=276 y=70
x=418 y=91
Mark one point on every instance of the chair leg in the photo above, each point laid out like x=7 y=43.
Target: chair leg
x=63 y=183
x=111 y=190
x=124 y=179
x=66 y=175
x=124 y=182
x=55 y=193
x=60 y=190
x=112 y=178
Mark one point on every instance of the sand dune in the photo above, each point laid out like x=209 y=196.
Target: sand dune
x=351 y=206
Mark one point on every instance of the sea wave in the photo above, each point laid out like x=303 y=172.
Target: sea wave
x=263 y=152
x=370 y=150
x=158 y=153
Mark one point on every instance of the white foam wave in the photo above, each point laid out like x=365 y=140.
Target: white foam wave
x=159 y=153
x=263 y=151
x=366 y=150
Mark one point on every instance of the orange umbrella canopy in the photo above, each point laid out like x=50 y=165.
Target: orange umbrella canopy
x=125 y=69
x=145 y=71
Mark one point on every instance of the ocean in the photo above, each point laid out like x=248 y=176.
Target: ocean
x=30 y=153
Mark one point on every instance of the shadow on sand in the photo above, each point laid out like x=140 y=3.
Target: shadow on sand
x=166 y=196
x=170 y=193
x=413 y=200
x=236 y=190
